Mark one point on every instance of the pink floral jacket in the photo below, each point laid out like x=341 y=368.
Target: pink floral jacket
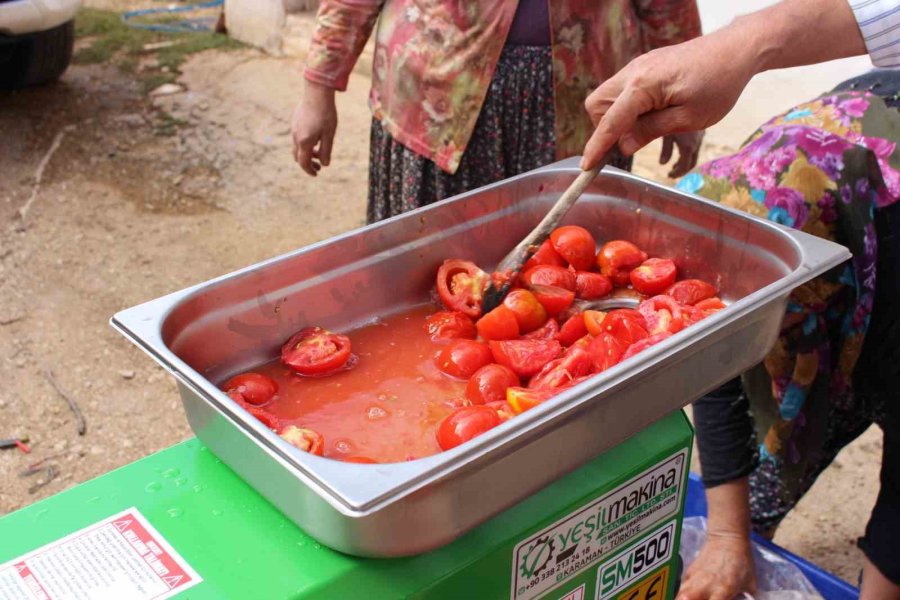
x=434 y=59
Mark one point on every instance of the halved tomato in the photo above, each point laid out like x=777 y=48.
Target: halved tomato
x=465 y=423
x=489 y=384
x=548 y=332
x=554 y=299
x=461 y=358
x=616 y=259
x=529 y=312
x=606 y=351
x=304 y=439
x=690 y=291
x=460 y=286
x=499 y=324
x=314 y=351
x=644 y=344
x=576 y=363
x=572 y=330
x=593 y=320
x=654 y=276
x=525 y=357
x=545 y=255
x=626 y=325
x=576 y=245
x=550 y=275
x=521 y=399
x=590 y=286
x=255 y=388
x=450 y=325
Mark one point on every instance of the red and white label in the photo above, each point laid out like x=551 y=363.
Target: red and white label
x=120 y=557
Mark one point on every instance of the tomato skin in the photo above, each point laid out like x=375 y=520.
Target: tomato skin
x=590 y=286
x=304 y=439
x=548 y=332
x=449 y=325
x=254 y=388
x=593 y=320
x=626 y=325
x=690 y=291
x=504 y=410
x=460 y=286
x=572 y=330
x=465 y=423
x=488 y=384
x=557 y=373
x=644 y=344
x=499 y=324
x=576 y=245
x=617 y=258
x=554 y=299
x=521 y=399
x=550 y=275
x=461 y=358
x=317 y=352
x=545 y=255
x=654 y=276
x=525 y=357
x=530 y=314
x=606 y=351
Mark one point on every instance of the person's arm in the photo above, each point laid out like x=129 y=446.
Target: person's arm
x=342 y=29
x=693 y=85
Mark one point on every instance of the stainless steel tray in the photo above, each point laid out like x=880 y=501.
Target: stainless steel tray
x=204 y=333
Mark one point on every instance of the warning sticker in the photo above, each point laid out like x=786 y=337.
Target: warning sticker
x=122 y=556
x=651 y=588
x=558 y=552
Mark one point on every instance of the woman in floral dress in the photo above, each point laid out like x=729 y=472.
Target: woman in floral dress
x=467 y=93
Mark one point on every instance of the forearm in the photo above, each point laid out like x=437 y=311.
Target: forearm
x=728 y=509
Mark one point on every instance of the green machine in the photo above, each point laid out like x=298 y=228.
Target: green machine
x=181 y=524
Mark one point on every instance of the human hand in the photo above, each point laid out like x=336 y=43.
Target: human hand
x=688 y=145
x=313 y=127
x=672 y=90
x=723 y=569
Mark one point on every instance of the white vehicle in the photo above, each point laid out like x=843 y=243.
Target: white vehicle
x=36 y=40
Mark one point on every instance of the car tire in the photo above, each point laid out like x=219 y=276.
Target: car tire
x=37 y=58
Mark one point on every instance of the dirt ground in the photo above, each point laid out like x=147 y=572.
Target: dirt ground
x=128 y=197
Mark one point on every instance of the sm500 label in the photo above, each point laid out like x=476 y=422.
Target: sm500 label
x=635 y=562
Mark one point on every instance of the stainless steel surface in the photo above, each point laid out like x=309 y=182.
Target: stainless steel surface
x=209 y=331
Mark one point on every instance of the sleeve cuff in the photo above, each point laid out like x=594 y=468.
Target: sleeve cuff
x=879 y=23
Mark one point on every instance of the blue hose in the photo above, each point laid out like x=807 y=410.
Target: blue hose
x=184 y=26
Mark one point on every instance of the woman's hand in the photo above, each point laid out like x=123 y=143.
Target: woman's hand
x=688 y=145
x=313 y=126
x=722 y=570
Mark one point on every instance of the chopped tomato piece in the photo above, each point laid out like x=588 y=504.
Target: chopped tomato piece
x=304 y=439
x=593 y=320
x=314 y=351
x=606 y=351
x=461 y=358
x=548 y=332
x=525 y=357
x=712 y=304
x=616 y=260
x=576 y=363
x=644 y=344
x=460 y=286
x=499 y=324
x=550 y=275
x=521 y=399
x=663 y=313
x=576 y=245
x=465 y=423
x=489 y=384
x=554 y=299
x=360 y=459
x=690 y=291
x=628 y=326
x=529 y=312
x=254 y=388
x=590 y=286
x=545 y=255
x=450 y=325
x=572 y=330
x=504 y=410
x=654 y=276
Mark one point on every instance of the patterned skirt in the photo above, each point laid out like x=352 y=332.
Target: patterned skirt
x=514 y=133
